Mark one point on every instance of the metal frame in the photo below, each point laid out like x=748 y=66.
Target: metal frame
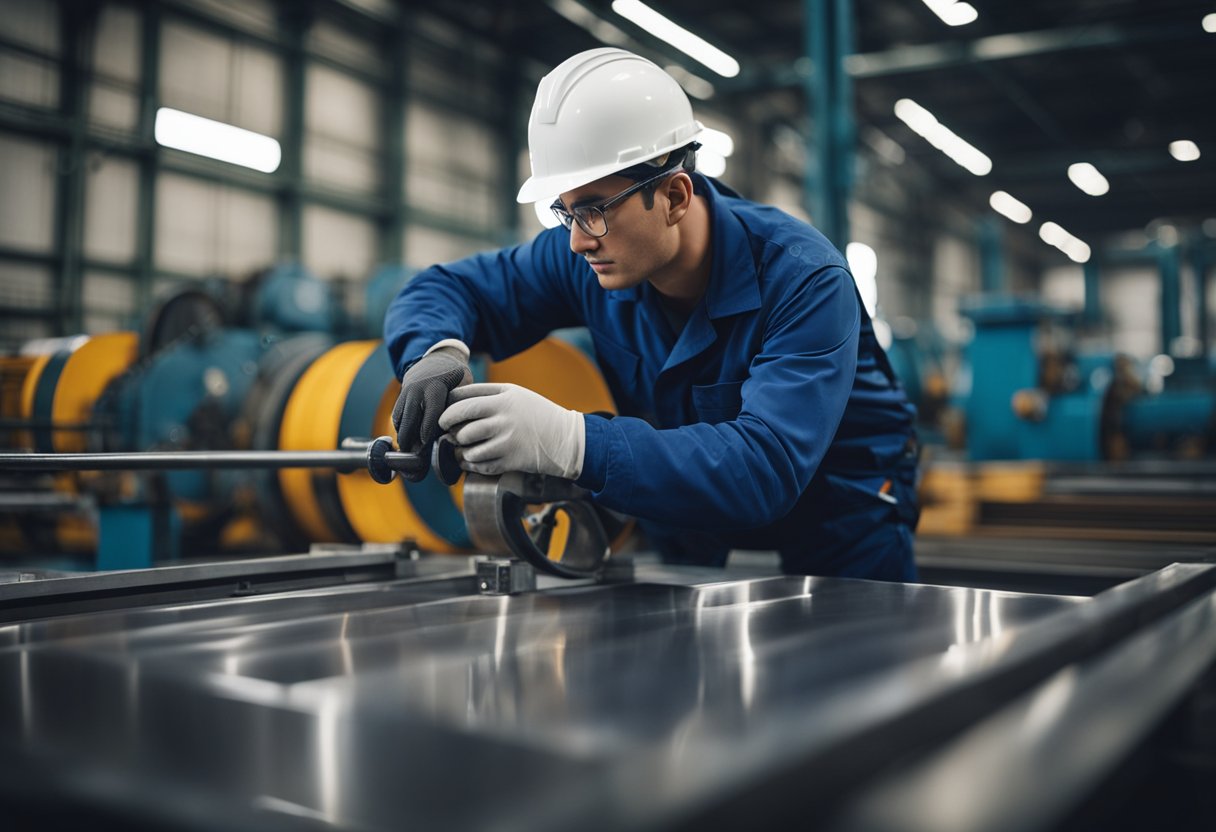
x=69 y=129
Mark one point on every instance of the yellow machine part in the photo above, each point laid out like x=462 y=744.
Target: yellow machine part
x=91 y=367
x=379 y=513
x=384 y=514
x=560 y=372
x=310 y=423
x=28 y=388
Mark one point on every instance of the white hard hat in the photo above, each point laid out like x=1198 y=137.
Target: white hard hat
x=600 y=112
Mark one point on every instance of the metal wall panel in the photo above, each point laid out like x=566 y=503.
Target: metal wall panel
x=338 y=244
x=27 y=180
x=341 y=144
x=213 y=76
x=204 y=228
x=24 y=285
x=454 y=165
x=28 y=80
x=111 y=198
x=427 y=246
x=31 y=22
x=109 y=302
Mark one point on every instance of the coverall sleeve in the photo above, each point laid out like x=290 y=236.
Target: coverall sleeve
x=500 y=302
x=749 y=471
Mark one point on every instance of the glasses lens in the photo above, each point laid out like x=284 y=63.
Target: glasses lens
x=591 y=219
x=563 y=216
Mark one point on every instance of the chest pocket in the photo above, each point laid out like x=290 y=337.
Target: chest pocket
x=717 y=402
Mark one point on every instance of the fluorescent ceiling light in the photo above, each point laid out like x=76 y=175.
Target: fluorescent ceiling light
x=217 y=140
x=863 y=264
x=1185 y=150
x=1053 y=234
x=953 y=13
x=694 y=46
x=1008 y=206
x=1209 y=23
x=1086 y=177
x=710 y=163
x=942 y=137
x=717 y=141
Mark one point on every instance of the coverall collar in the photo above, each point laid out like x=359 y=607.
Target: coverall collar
x=734 y=284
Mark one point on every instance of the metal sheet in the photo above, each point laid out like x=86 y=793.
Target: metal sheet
x=409 y=704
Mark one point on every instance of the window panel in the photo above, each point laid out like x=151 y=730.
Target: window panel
x=27 y=179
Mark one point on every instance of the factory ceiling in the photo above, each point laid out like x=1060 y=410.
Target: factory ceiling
x=1036 y=85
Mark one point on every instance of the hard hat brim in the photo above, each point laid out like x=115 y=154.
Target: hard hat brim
x=538 y=188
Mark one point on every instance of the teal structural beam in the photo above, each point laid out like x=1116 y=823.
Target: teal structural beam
x=1091 y=314
x=829 y=174
x=1200 y=262
x=295 y=20
x=77 y=24
x=513 y=127
x=992 y=256
x=149 y=102
x=392 y=138
x=1169 y=261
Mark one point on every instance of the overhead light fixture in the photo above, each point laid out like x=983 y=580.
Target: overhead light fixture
x=1009 y=206
x=1185 y=150
x=694 y=46
x=1054 y=235
x=217 y=140
x=1087 y=177
x=1209 y=23
x=953 y=12
x=715 y=147
x=942 y=137
x=863 y=265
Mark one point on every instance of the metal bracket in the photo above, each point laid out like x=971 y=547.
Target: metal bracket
x=505 y=576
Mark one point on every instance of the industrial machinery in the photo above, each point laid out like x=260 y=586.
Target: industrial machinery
x=1033 y=396
x=261 y=370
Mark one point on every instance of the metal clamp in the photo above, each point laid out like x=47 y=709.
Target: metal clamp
x=546 y=521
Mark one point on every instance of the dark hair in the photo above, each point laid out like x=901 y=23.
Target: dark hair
x=684 y=158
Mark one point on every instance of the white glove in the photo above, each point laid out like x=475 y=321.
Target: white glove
x=504 y=427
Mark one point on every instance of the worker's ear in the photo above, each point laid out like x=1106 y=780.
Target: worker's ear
x=679 y=197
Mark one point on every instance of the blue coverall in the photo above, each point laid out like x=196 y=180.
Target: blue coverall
x=772 y=420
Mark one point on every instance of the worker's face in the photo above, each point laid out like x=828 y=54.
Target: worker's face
x=639 y=242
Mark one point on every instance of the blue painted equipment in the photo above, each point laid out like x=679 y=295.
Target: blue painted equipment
x=1033 y=396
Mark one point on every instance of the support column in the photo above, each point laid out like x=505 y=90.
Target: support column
x=77 y=27
x=1168 y=261
x=295 y=20
x=392 y=133
x=829 y=173
x=1199 y=265
x=1091 y=315
x=149 y=102
x=992 y=256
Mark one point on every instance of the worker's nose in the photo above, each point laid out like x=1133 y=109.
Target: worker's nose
x=580 y=241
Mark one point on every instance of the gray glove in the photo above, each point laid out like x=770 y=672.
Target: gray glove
x=424 y=395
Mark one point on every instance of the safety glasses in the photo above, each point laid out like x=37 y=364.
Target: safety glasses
x=592 y=218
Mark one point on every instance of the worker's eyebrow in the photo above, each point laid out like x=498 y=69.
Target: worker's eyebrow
x=591 y=199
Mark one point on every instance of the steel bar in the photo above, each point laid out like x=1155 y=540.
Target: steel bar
x=343 y=460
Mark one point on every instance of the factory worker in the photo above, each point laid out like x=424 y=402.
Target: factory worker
x=757 y=410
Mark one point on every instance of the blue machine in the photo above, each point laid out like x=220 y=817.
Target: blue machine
x=1033 y=396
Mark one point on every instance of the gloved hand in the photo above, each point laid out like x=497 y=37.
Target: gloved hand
x=424 y=395
x=505 y=427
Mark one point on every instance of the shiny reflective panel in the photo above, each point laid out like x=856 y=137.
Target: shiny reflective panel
x=384 y=706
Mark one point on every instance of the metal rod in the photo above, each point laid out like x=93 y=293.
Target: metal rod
x=346 y=460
